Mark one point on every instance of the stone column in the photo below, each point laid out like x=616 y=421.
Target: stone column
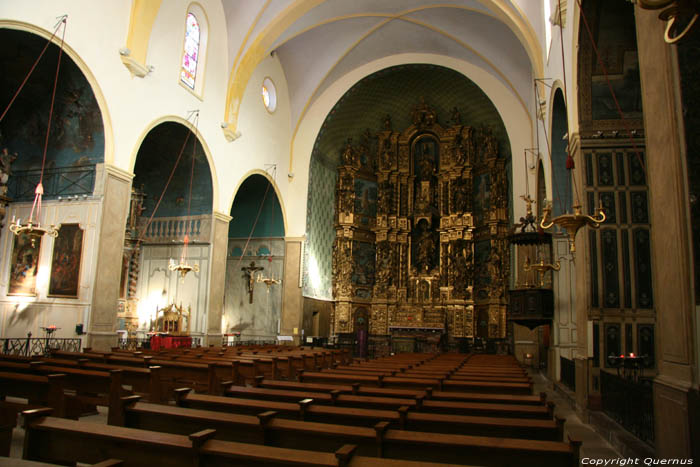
x=217 y=277
x=116 y=195
x=670 y=242
x=292 y=301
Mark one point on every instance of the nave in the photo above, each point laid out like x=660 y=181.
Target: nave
x=272 y=405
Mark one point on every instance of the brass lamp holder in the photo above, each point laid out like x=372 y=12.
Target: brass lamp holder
x=572 y=223
x=31 y=230
x=541 y=267
x=182 y=268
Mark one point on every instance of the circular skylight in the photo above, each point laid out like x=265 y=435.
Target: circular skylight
x=269 y=95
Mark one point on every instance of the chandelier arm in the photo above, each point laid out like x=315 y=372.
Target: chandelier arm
x=669 y=25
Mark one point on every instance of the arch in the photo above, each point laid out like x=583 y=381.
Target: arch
x=165 y=162
x=274 y=186
x=87 y=73
x=202 y=142
x=196 y=11
x=561 y=179
x=242 y=71
x=509 y=109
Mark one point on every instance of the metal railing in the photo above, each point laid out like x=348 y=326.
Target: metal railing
x=32 y=346
x=568 y=373
x=629 y=403
x=60 y=181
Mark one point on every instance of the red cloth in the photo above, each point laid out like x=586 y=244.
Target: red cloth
x=170 y=342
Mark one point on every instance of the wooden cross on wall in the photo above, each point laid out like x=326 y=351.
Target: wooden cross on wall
x=250 y=275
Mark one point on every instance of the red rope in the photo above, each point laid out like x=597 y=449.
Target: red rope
x=53 y=100
x=31 y=70
x=549 y=151
x=189 y=198
x=172 y=172
x=262 y=204
x=612 y=91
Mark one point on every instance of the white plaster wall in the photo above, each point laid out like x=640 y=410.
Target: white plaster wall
x=20 y=315
x=96 y=32
x=158 y=286
x=264 y=139
x=258 y=320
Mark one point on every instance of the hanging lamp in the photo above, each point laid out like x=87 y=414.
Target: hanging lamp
x=183 y=267
x=270 y=281
x=570 y=222
x=33 y=228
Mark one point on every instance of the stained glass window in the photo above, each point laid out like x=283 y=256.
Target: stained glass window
x=190 y=56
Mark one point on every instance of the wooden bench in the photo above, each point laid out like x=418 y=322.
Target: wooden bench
x=417 y=402
x=56 y=440
x=402 y=418
x=379 y=441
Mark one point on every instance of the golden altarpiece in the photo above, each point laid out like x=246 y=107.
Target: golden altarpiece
x=409 y=213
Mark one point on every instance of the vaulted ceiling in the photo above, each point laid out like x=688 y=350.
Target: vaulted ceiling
x=319 y=41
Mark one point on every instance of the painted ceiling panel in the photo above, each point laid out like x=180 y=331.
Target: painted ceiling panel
x=395 y=38
x=341 y=8
x=307 y=58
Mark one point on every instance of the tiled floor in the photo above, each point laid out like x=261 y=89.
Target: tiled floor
x=594 y=446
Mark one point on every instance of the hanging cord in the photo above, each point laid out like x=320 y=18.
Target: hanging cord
x=262 y=204
x=189 y=197
x=172 y=172
x=570 y=165
x=62 y=21
x=549 y=151
x=624 y=121
x=39 y=192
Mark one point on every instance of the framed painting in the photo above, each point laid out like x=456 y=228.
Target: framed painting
x=65 y=263
x=24 y=266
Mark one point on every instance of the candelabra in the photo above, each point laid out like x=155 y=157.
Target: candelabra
x=572 y=223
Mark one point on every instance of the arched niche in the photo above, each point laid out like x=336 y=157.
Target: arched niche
x=255 y=263
x=562 y=188
x=172 y=199
x=76 y=143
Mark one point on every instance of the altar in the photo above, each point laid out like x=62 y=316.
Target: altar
x=406 y=339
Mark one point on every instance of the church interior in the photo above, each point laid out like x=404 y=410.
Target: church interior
x=456 y=191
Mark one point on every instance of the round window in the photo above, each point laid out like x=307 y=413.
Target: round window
x=269 y=95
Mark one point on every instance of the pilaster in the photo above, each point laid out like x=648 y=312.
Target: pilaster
x=671 y=246
x=292 y=301
x=116 y=195
x=217 y=278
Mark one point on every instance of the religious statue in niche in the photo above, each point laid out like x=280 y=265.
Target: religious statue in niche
x=249 y=274
x=424 y=247
x=385 y=267
x=385 y=201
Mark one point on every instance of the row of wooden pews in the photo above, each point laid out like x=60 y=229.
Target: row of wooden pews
x=404 y=423
x=279 y=417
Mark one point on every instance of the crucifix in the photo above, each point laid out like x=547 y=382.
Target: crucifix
x=250 y=275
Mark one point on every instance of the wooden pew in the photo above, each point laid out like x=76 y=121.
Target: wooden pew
x=55 y=440
x=393 y=403
x=39 y=391
x=356 y=388
x=403 y=418
x=90 y=387
x=145 y=382
x=380 y=440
